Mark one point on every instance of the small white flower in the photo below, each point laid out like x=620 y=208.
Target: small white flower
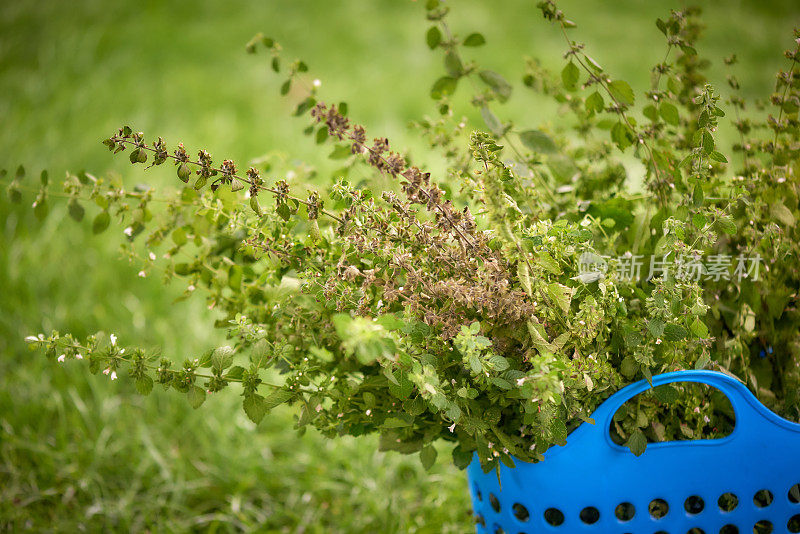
x=128 y=231
x=369 y=412
x=658 y=341
x=78 y=356
x=451 y=428
x=318 y=408
x=62 y=358
x=340 y=415
x=113 y=375
x=152 y=257
x=122 y=351
x=31 y=339
x=520 y=381
x=696 y=409
x=317 y=83
x=106 y=370
x=706 y=419
x=113 y=340
x=191 y=287
x=142 y=274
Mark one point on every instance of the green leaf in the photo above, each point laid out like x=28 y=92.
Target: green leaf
x=304 y=106
x=492 y=122
x=675 y=332
x=621 y=92
x=538 y=141
x=637 y=443
x=235 y=373
x=44 y=178
x=699 y=328
x=656 y=327
x=474 y=39
x=396 y=422
x=101 y=222
x=196 y=396
x=222 y=358
x=184 y=173
x=622 y=135
x=443 y=87
x=235 y=274
x=669 y=113
x=498 y=363
x=428 y=457
x=284 y=211
x=452 y=65
x=340 y=152
x=75 y=209
x=178 y=236
x=144 y=385
x=561 y=295
x=783 y=214
x=666 y=394
x=255 y=407
x=498 y=84
x=404 y=386
x=41 y=209
x=594 y=64
x=595 y=103
x=254 y=205
x=433 y=37
x=461 y=457
x=707 y=142
x=570 y=75
x=718 y=156
x=726 y=225
x=558 y=431
x=276 y=398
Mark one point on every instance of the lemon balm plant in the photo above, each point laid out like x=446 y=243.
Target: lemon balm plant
x=497 y=304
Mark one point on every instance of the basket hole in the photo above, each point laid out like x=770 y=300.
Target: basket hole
x=625 y=511
x=696 y=530
x=658 y=508
x=494 y=502
x=763 y=498
x=794 y=523
x=478 y=493
x=479 y=520
x=694 y=505
x=498 y=530
x=554 y=516
x=520 y=512
x=729 y=529
x=727 y=503
x=794 y=494
x=590 y=515
x=762 y=527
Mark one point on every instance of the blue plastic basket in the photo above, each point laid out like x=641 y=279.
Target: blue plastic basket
x=591 y=484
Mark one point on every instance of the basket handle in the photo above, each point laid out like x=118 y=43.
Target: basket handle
x=749 y=412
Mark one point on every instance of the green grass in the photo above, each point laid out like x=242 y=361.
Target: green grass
x=79 y=453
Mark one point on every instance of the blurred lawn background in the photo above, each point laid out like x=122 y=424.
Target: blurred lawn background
x=80 y=454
